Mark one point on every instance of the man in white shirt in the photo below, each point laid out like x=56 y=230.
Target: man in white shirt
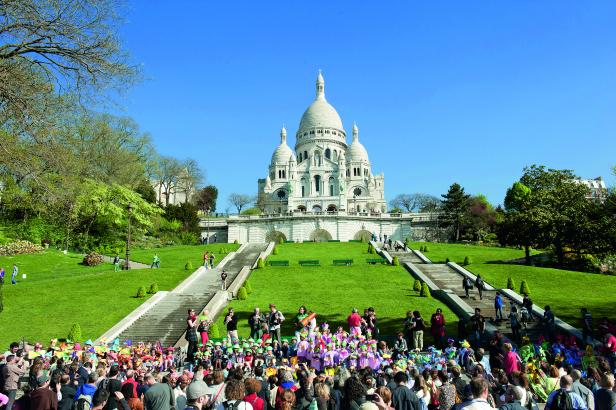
x=479 y=390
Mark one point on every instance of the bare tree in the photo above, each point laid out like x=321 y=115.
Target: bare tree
x=240 y=201
x=167 y=173
x=416 y=202
x=190 y=178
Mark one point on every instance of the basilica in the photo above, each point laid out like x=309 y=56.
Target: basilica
x=323 y=173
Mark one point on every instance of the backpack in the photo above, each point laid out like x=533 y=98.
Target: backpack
x=479 y=283
x=467 y=283
x=233 y=406
x=83 y=402
x=562 y=401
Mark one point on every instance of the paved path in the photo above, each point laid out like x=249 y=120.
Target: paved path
x=132 y=264
x=446 y=277
x=166 y=320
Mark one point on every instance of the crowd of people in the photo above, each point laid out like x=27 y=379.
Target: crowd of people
x=317 y=368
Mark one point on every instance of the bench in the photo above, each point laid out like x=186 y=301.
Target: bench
x=343 y=262
x=309 y=263
x=289 y=241
x=375 y=261
x=278 y=263
x=334 y=240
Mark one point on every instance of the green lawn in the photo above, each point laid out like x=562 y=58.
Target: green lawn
x=177 y=256
x=565 y=291
x=59 y=291
x=332 y=291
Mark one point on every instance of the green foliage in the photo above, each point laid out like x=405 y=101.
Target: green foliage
x=467 y=261
x=260 y=263
x=447 y=260
x=425 y=290
x=236 y=242
x=524 y=289
x=275 y=251
x=248 y=286
x=242 y=294
x=395 y=261
x=141 y=292
x=417 y=285
x=371 y=249
x=252 y=211
x=214 y=332
x=510 y=283
x=280 y=239
x=19 y=248
x=75 y=334
x=206 y=197
x=92 y=259
x=395 y=211
x=153 y=288
x=454 y=212
x=407 y=242
x=186 y=213
x=188 y=266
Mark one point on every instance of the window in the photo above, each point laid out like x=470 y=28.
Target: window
x=365 y=172
x=348 y=172
x=317 y=183
x=305 y=154
x=303 y=191
x=300 y=157
x=328 y=153
x=327 y=131
x=312 y=132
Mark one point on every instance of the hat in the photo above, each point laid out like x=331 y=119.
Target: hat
x=42 y=380
x=196 y=389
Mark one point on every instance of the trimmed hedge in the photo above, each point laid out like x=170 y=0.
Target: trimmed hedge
x=417 y=285
x=188 y=266
x=75 y=334
x=467 y=261
x=242 y=294
x=510 y=283
x=141 y=292
x=214 y=332
x=153 y=288
x=260 y=263
x=524 y=289
x=425 y=290
x=248 y=286
x=395 y=261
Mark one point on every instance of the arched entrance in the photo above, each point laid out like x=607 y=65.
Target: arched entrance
x=320 y=235
x=275 y=236
x=301 y=208
x=317 y=208
x=331 y=208
x=363 y=235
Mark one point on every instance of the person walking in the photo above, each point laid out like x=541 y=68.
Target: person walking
x=354 y=321
x=223 y=279
x=480 y=285
x=467 y=285
x=155 y=261
x=514 y=321
x=498 y=306
x=231 y=323
x=478 y=325
x=14 y=275
x=212 y=257
x=116 y=263
x=274 y=321
x=587 y=331
x=206 y=260
x=549 y=322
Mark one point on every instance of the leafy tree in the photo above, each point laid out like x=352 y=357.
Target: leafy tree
x=186 y=213
x=239 y=201
x=454 y=210
x=481 y=217
x=251 y=211
x=205 y=198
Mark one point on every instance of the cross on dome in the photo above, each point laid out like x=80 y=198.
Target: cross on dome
x=320 y=86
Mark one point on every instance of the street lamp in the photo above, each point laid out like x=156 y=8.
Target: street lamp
x=207 y=224
x=129 y=208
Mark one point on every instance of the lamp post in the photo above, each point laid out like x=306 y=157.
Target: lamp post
x=129 y=209
x=207 y=224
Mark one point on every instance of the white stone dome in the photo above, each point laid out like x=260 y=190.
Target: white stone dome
x=356 y=151
x=320 y=113
x=283 y=153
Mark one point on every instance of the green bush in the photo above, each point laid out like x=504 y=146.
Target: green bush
x=407 y=242
x=281 y=240
x=214 y=332
x=242 y=294
x=75 y=334
x=417 y=285
x=395 y=261
x=510 y=283
x=260 y=263
x=425 y=290
x=275 y=251
x=467 y=261
x=426 y=249
x=188 y=266
x=141 y=292
x=236 y=242
x=248 y=286
x=153 y=288
x=371 y=249
x=524 y=289
x=447 y=260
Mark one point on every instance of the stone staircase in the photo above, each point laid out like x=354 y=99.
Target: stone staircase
x=166 y=320
x=446 y=278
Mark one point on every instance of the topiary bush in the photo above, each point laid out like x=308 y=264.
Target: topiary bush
x=524 y=289
x=395 y=261
x=275 y=251
x=417 y=285
x=425 y=290
x=236 y=242
x=371 y=249
x=242 y=294
x=141 y=292
x=153 y=288
x=426 y=249
x=75 y=334
x=510 y=283
x=188 y=266
x=248 y=286
x=260 y=263
x=92 y=259
x=467 y=261
x=280 y=240
x=214 y=332
x=447 y=260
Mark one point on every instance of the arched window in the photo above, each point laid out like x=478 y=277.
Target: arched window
x=317 y=159
x=300 y=157
x=331 y=186
x=328 y=153
x=305 y=154
x=317 y=183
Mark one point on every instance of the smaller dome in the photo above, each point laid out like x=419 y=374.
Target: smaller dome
x=283 y=153
x=356 y=151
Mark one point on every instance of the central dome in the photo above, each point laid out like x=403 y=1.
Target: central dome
x=320 y=114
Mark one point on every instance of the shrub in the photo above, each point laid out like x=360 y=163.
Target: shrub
x=248 y=286
x=214 y=332
x=407 y=242
x=510 y=283
x=260 y=263
x=141 y=292
x=153 y=288
x=426 y=248
x=425 y=290
x=275 y=251
x=417 y=285
x=92 y=259
x=236 y=242
x=395 y=261
x=524 y=290
x=371 y=249
x=467 y=261
x=421 y=248
x=75 y=334
x=188 y=266
x=447 y=260
x=242 y=294
x=280 y=240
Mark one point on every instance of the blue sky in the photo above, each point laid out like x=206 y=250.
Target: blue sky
x=442 y=92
